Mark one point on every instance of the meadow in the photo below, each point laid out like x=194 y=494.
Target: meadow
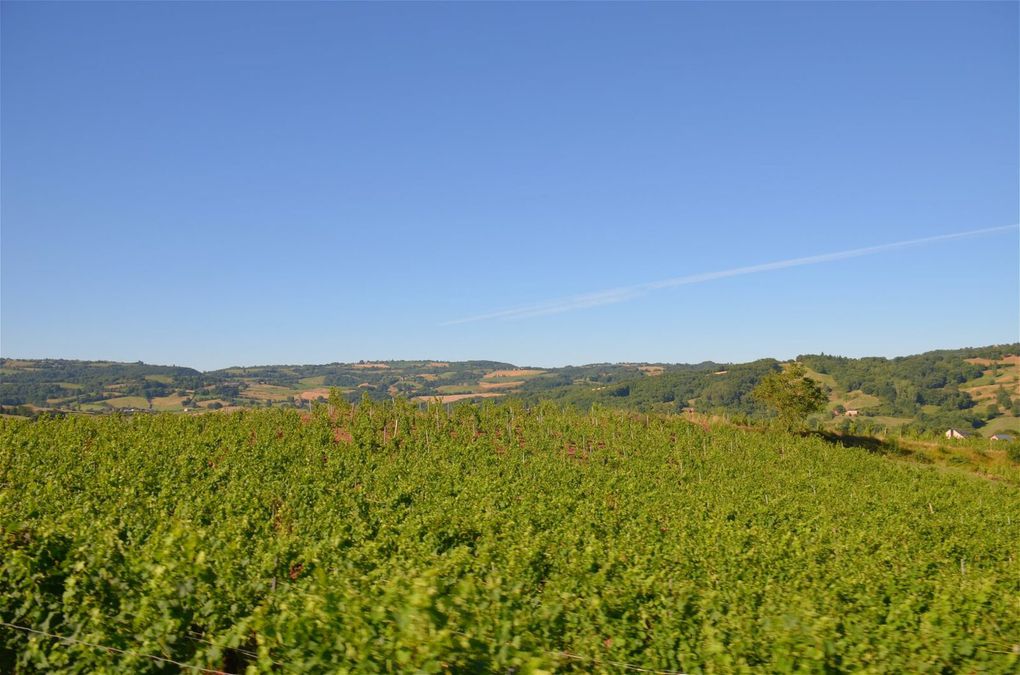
x=389 y=537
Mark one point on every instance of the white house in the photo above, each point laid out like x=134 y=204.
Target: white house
x=1002 y=437
x=956 y=433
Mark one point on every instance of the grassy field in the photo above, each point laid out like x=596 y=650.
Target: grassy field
x=493 y=539
x=827 y=380
x=858 y=400
x=269 y=392
x=168 y=403
x=127 y=402
x=1006 y=423
x=1003 y=373
x=456 y=389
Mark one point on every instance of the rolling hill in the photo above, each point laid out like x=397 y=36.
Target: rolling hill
x=972 y=388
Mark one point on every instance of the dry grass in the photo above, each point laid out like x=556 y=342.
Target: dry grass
x=652 y=370
x=127 y=402
x=312 y=394
x=268 y=392
x=369 y=366
x=1012 y=359
x=168 y=403
x=19 y=364
x=983 y=392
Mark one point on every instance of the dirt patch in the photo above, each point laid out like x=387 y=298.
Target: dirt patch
x=438 y=364
x=312 y=394
x=651 y=370
x=370 y=365
x=450 y=398
x=517 y=372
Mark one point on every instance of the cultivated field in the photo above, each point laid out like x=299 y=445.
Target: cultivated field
x=492 y=539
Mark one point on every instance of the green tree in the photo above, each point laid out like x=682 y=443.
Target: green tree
x=791 y=394
x=1003 y=399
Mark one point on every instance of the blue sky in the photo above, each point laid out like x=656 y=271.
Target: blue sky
x=247 y=183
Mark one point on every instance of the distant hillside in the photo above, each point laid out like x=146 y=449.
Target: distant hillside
x=972 y=388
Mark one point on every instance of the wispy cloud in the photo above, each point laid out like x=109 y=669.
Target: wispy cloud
x=624 y=293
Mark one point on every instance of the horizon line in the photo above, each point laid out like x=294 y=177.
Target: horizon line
x=864 y=355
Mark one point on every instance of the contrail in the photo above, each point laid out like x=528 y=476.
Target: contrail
x=623 y=293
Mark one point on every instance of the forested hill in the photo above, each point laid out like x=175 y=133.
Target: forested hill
x=972 y=388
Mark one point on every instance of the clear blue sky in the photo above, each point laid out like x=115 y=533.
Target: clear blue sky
x=248 y=183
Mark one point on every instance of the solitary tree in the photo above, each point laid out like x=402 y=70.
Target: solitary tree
x=791 y=394
x=1003 y=398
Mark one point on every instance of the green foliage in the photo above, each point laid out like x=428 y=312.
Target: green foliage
x=791 y=394
x=1003 y=399
x=709 y=387
x=905 y=384
x=89 y=380
x=928 y=389
x=383 y=537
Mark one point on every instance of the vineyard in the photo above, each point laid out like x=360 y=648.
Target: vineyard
x=386 y=537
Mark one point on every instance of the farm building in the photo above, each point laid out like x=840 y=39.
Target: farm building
x=956 y=433
x=852 y=413
x=1001 y=437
